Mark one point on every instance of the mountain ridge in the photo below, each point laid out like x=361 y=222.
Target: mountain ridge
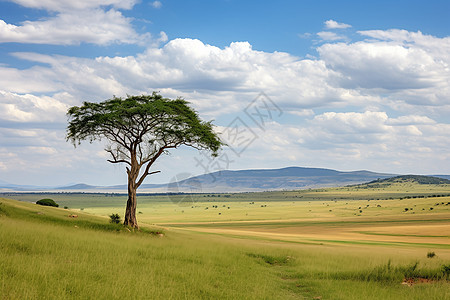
x=251 y=180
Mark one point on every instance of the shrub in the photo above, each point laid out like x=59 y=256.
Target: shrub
x=446 y=269
x=431 y=254
x=114 y=218
x=47 y=202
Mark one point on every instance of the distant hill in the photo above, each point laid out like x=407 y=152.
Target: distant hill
x=15 y=187
x=79 y=186
x=273 y=179
x=257 y=180
x=417 y=179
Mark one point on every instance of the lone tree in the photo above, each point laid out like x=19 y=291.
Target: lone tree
x=139 y=129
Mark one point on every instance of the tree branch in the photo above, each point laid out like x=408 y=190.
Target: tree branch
x=149 y=164
x=118 y=161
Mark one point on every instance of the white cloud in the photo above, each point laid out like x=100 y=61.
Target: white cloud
x=305 y=35
x=163 y=38
x=412 y=72
x=354 y=130
x=366 y=74
x=437 y=47
x=197 y=70
x=30 y=108
x=413 y=119
x=330 y=36
x=351 y=122
x=156 y=4
x=75 y=22
x=64 y=6
x=331 y=24
x=302 y=112
x=91 y=26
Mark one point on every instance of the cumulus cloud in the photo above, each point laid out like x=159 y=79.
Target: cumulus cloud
x=216 y=80
x=331 y=24
x=411 y=67
x=30 y=108
x=92 y=26
x=75 y=22
x=370 y=74
x=437 y=47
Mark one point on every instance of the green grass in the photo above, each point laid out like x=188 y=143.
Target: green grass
x=51 y=260
x=44 y=254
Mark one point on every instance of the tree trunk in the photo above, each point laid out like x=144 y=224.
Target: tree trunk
x=130 y=213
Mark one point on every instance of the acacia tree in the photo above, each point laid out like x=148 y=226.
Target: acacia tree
x=140 y=129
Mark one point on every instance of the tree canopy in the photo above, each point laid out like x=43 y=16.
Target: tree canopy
x=139 y=129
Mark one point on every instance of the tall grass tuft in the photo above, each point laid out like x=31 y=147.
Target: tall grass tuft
x=387 y=273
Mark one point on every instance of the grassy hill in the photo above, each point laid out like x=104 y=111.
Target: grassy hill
x=404 y=180
x=419 y=179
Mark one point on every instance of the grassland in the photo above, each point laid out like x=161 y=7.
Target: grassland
x=344 y=243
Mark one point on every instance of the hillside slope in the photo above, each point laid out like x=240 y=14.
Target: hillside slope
x=402 y=179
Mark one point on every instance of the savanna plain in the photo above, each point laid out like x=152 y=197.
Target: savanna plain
x=359 y=242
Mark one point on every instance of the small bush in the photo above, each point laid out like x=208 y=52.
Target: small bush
x=114 y=218
x=446 y=269
x=47 y=202
x=431 y=254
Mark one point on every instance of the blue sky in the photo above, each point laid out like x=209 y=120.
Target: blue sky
x=354 y=84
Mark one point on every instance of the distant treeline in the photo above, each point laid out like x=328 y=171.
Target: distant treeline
x=420 y=179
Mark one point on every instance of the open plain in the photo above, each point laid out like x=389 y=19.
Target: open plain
x=342 y=243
